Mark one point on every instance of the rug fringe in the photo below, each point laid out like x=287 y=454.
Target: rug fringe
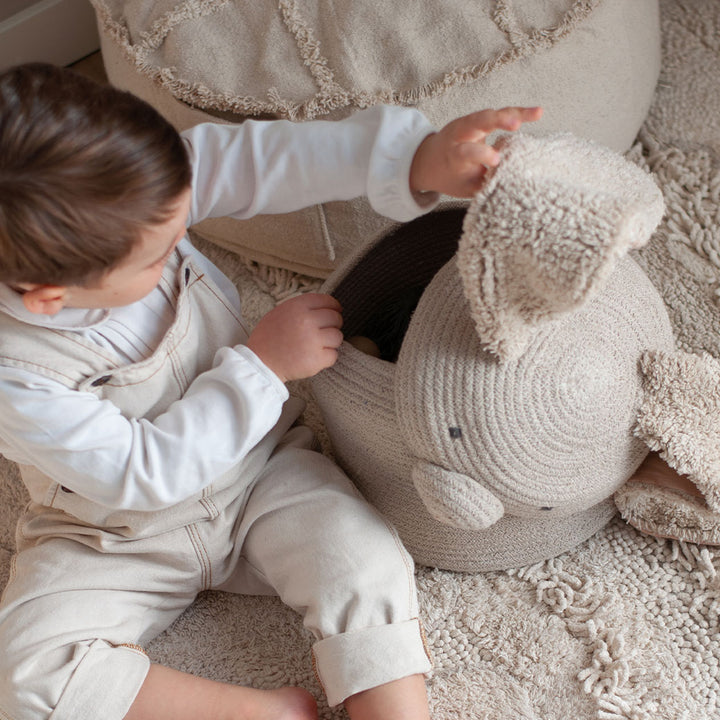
x=280 y=283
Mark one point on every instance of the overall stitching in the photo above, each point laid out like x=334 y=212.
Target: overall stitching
x=223 y=302
x=316 y=671
x=202 y=555
x=170 y=351
x=86 y=345
x=50 y=502
x=178 y=372
x=327 y=240
x=146 y=377
x=426 y=644
x=409 y=567
x=208 y=502
x=133 y=646
x=44 y=369
x=172 y=288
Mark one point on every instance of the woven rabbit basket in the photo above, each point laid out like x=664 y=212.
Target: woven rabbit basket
x=486 y=399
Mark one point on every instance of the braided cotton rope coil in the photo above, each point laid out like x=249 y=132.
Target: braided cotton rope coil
x=486 y=462
x=550 y=432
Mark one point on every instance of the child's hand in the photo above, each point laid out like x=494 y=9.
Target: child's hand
x=299 y=337
x=454 y=160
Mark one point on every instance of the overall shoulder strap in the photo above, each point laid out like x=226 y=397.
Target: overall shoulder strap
x=61 y=355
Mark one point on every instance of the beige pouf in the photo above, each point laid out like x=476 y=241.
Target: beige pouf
x=592 y=65
x=490 y=455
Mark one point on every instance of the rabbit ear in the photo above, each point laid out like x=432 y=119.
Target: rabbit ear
x=546 y=231
x=456 y=499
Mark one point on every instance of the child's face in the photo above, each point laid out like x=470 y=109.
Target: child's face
x=140 y=272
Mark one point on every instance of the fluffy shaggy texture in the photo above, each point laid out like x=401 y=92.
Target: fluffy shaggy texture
x=623 y=627
x=680 y=419
x=668 y=513
x=680 y=416
x=545 y=232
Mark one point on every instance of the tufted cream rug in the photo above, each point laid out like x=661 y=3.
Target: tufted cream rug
x=623 y=627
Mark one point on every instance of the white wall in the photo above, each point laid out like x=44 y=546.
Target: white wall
x=56 y=31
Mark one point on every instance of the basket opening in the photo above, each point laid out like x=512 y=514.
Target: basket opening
x=380 y=293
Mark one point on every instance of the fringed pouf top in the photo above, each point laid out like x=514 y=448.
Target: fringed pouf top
x=591 y=64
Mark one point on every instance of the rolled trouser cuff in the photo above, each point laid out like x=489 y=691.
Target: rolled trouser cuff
x=104 y=684
x=354 y=661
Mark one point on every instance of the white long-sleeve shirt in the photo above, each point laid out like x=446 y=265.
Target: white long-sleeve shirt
x=85 y=443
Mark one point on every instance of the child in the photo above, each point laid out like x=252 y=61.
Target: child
x=154 y=431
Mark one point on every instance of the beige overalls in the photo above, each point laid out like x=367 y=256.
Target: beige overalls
x=91 y=585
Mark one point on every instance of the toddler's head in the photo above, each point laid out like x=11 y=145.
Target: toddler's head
x=85 y=170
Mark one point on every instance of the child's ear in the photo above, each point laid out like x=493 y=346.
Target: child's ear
x=44 y=299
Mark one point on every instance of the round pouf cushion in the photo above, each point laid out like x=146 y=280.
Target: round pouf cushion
x=592 y=65
x=548 y=436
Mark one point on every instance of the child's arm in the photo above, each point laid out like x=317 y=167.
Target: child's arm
x=454 y=160
x=268 y=167
x=89 y=446
x=86 y=444
x=389 y=154
x=300 y=337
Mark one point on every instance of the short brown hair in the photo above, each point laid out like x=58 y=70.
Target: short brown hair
x=84 y=167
